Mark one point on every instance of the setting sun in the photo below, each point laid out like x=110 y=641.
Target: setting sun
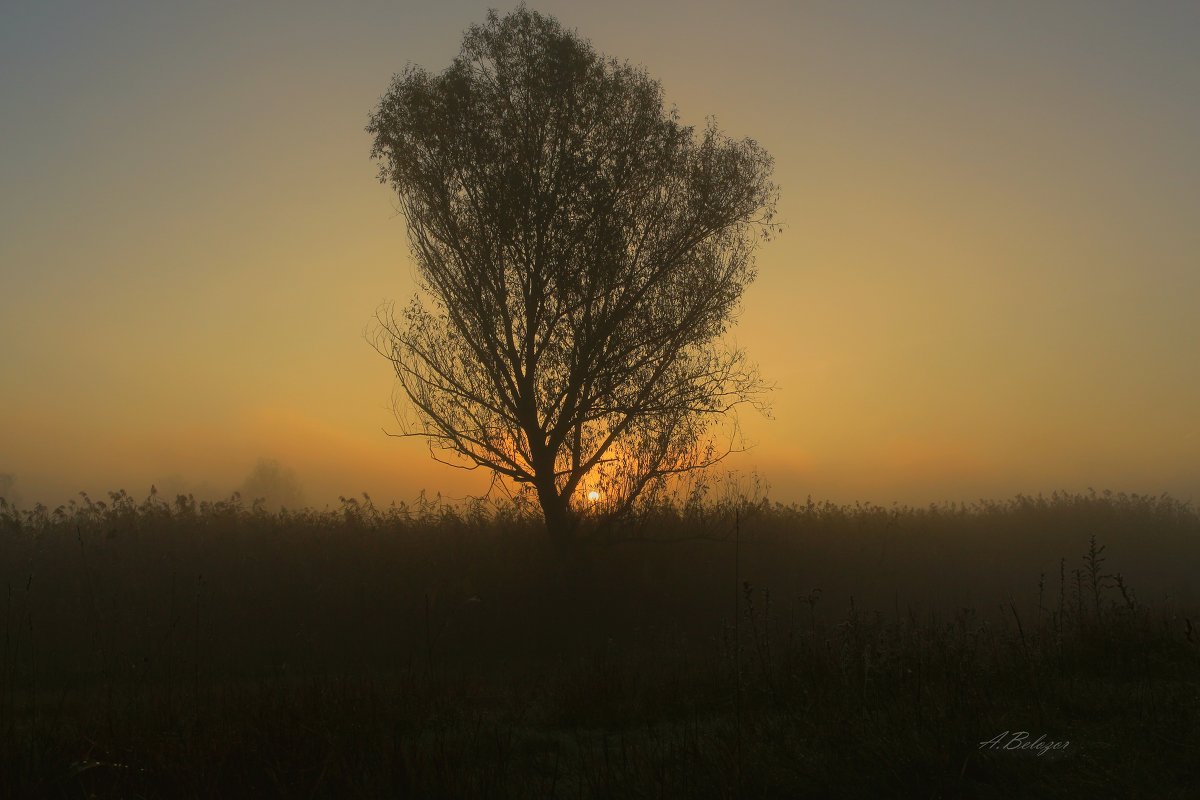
x=593 y=496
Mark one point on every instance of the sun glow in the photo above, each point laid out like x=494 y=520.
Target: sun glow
x=593 y=496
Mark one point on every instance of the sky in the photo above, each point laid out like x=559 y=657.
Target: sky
x=988 y=281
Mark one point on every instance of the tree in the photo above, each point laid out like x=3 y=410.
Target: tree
x=580 y=255
x=273 y=485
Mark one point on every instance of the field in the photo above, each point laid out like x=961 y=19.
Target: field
x=733 y=648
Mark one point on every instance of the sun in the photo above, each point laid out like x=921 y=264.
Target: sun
x=593 y=496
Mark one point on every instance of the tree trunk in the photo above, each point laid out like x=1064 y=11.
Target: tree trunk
x=561 y=523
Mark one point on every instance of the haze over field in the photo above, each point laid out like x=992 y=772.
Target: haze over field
x=988 y=282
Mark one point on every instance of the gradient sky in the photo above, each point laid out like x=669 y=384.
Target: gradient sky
x=988 y=284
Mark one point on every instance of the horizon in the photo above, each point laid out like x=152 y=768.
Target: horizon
x=986 y=285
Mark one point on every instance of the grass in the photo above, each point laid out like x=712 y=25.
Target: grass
x=730 y=649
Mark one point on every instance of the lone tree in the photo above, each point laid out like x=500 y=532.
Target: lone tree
x=580 y=255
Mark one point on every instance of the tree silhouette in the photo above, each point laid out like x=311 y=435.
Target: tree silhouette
x=580 y=255
x=273 y=485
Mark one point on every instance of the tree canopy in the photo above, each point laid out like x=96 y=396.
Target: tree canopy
x=580 y=254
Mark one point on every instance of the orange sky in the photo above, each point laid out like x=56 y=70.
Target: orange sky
x=988 y=282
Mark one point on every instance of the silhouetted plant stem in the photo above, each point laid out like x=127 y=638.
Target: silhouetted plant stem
x=737 y=647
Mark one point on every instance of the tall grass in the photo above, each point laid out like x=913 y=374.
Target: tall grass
x=179 y=648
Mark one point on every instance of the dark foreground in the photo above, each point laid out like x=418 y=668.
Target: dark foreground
x=185 y=650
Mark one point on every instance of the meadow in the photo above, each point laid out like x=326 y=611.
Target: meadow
x=730 y=647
